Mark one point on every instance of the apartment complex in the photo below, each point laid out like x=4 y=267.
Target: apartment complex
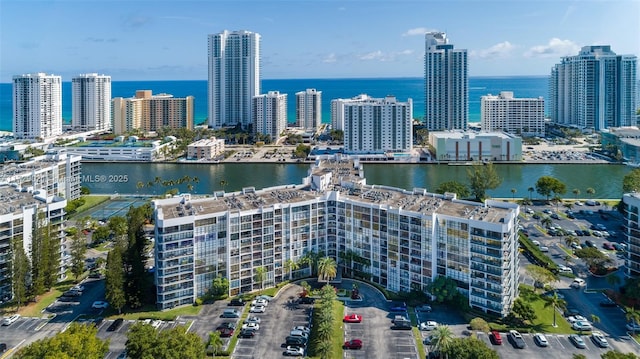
x=19 y=218
x=206 y=149
x=466 y=146
x=234 y=77
x=375 y=125
x=446 y=84
x=118 y=149
x=269 y=114
x=631 y=202
x=91 y=104
x=408 y=237
x=58 y=174
x=521 y=116
x=37 y=106
x=309 y=109
x=595 y=89
x=148 y=112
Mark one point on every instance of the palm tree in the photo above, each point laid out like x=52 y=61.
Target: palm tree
x=327 y=268
x=530 y=189
x=513 y=194
x=223 y=184
x=591 y=192
x=546 y=221
x=290 y=265
x=311 y=259
x=216 y=342
x=632 y=315
x=444 y=337
x=259 y=275
x=595 y=319
x=576 y=192
x=569 y=240
x=555 y=302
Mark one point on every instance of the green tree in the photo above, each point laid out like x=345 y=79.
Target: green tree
x=78 y=251
x=115 y=280
x=216 y=344
x=78 y=341
x=555 y=302
x=137 y=284
x=169 y=344
x=576 y=193
x=540 y=274
x=578 y=356
x=141 y=338
x=479 y=324
x=310 y=259
x=632 y=315
x=593 y=258
x=444 y=338
x=530 y=189
x=591 y=192
x=290 y=266
x=571 y=240
x=631 y=181
x=546 y=222
x=594 y=319
x=547 y=186
x=118 y=226
x=259 y=275
x=513 y=194
x=482 y=177
x=612 y=354
x=219 y=287
x=469 y=348
x=460 y=189
x=20 y=272
x=524 y=310
x=327 y=268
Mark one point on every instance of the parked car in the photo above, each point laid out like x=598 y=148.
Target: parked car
x=226 y=332
x=428 y=325
x=268 y=298
x=588 y=243
x=577 y=341
x=78 y=288
x=581 y=326
x=633 y=326
x=10 y=319
x=396 y=306
x=423 y=308
x=576 y=318
x=257 y=302
x=257 y=309
x=607 y=303
x=577 y=283
x=237 y=302
x=3 y=347
x=540 y=339
x=599 y=339
x=71 y=293
x=302 y=329
x=517 y=339
x=431 y=339
x=564 y=269
x=294 y=351
x=253 y=319
x=251 y=326
x=247 y=333
x=295 y=340
x=496 y=338
x=226 y=325
x=99 y=304
x=353 y=344
x=115 y=325
x=307 y=300
x=352 y=318
x=569 y=312
x=401 y=325
x=230 y=313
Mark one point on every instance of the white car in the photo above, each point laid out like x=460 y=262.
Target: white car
x=599 y=339
x=11 y=319
x=303 y=329
x=253 y=320
x=257 y=309
x=77 y=288
x=251 y=326
x=265 y=297
x=576 y=318
x=537 y=243
x=582 y=326
x=99 y=304
x=428 y=325
x=294 y=351
x=541 y=340
x=262 y=302
x=564 y=269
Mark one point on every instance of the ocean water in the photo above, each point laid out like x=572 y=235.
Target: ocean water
x=401 y=88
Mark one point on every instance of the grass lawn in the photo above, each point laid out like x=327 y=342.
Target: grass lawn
x=90 y=202
x=150 y=312
x=337 y=334
x=35 y=309
x=416 y=332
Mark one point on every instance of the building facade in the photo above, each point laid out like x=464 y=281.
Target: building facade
x=446 y=84
x=623 y=142
x=206 y=149
x=409 y=238
x=120 y=150
x=148 y=112
x=91 y=102
x=22 y=210
x=309 y=109
x=377 y=125
x=269 y=114
x=595 y=89
x=631 y=202
x=459 y=146
x=521 y=116
x=37 y=106
x=234 y=77
x=58 y=174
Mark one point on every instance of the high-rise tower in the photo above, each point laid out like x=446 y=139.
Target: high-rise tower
x=308 y=109
x=91 y=105
x=37 y=106
x=234 y=77
x=446 y=84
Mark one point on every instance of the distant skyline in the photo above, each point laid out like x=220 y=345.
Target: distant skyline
x=167 y=40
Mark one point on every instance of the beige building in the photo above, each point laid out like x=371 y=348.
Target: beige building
x=205 y=149
x=148 y=112
x=466 y=146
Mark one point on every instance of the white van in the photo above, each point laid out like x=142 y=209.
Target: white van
x=577 y=283
x=10 y=320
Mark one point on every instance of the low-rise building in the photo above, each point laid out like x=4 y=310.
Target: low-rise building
x=206 y=149
x=459 y=146
x=623 y=142
x=119 y=149
x=403 y=239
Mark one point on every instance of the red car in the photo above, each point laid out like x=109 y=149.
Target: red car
x=352 y=318
x=608 y=246
x=496 y=338
x=226 y=332
x=353 y=344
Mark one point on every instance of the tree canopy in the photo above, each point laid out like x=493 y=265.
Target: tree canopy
x=145 y=342
x=482 y=177
x=469 y=348
x=548 y=186
x=460 y=189
x=78 y=341
x=631 y=181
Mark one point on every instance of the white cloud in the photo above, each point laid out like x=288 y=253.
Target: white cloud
x=330 y=58
x=418 y=31
x=384 y=57
x=502 y=49
x=556 y=47
x=375 y=55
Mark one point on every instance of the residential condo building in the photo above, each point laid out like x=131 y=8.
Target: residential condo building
x=521 y=116
x=269 y=114
x=595 y=89
x=37 y=106
x=309 y=109
x=148 y=112
x=446 y=84
x=234 y=77
x=206 y=149
x=408 y=237
x=91 y=102
x=631 y=202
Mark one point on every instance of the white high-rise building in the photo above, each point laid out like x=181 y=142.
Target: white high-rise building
x=37 y=106
x=91 y=105
x=446 y=84
x=594 y=89
x=270 y=114
x=337 y=110
x=234 y=77
x=309 y=109
x=376 y=125
x=521 y=116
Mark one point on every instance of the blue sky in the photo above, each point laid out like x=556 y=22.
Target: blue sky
x=167 y=40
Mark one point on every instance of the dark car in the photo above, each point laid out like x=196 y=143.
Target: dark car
x=353 y=344
x=401 y=325
x=115 y=325
x=72 y=293
x=226 y=325
x=607 y=303
x=588 y=243
x=247 y=333
x=3 y=347
x=397 y=306
x=226 y=332
x=295 y=340
x=237 y=302
x=306 y=300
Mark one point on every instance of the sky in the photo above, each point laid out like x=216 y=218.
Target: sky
x=167 y=40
